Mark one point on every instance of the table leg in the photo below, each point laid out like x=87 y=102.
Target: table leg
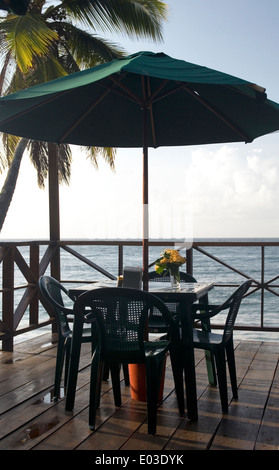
x=189 y=361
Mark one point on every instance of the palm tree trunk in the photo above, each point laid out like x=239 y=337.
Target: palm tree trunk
x=8 y=189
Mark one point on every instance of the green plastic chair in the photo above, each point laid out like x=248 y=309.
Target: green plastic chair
x=121 y=316
x=221 y=345
x=54 y=293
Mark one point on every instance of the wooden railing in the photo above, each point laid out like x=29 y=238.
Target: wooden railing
x=20 y=299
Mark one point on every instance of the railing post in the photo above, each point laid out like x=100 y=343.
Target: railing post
x=8 y=297
x=262 y=284
x=120 y=260
x=34 y=266
x=189 y=262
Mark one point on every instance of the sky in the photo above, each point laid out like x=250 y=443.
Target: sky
x=211 y=191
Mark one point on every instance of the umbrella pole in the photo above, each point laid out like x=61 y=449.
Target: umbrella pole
x=145 y=202
x=54 y=218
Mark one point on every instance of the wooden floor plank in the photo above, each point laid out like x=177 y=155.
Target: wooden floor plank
x=31 y=420
x=267 y=438
x=76 y=430
x=200 y=434
x=240 y=427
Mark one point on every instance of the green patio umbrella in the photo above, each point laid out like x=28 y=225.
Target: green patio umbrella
x=143 y=100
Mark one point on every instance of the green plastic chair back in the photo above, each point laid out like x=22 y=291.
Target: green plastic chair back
x=57 y=296
x=121 y=316
x=221 y=345
x=52 y=290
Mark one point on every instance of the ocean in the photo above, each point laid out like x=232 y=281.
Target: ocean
x=246 y=260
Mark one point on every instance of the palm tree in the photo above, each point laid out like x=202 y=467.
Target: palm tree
x=48 y=43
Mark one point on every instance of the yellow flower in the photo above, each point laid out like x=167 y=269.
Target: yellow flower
x=169 y=258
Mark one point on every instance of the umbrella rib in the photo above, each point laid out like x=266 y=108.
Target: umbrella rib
x=155 y=93
x=81 y=118
x=217 y=113
x=129 y=94
x=136 y=98
x=168 y=93
x=32 y=108
x=145 y=102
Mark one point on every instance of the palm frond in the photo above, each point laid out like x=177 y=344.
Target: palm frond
x=4 y=73
x=142 y=18
x=38 y=152
x=87 y=49
x=136 y=17
x=28 y=37
x=10 y=143
x=39 y=157
x=64 y=163
x=19 y=81
x=47 y=68
x=108 y=153
x=2 y=164
x=44 y=45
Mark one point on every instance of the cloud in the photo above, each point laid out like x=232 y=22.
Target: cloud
x=208 y=191
x=232 y=190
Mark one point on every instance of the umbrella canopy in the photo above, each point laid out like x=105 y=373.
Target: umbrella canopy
x=143 y=100
x=103 y=106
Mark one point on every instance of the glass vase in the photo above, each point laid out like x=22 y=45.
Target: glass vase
x=175 y=277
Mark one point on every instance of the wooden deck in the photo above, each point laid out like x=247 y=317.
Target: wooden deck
x=31 y=420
